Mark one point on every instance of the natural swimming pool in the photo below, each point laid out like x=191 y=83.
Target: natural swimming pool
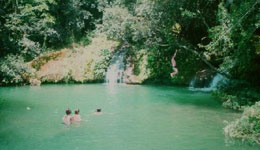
x=135 y=118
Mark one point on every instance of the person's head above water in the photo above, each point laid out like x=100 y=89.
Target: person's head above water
x=68 y=111
x=99 y=110
x=76 y=111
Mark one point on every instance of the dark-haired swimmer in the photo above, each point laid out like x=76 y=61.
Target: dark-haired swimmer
x=67 y=118
x=76 y=117
x=98 y=112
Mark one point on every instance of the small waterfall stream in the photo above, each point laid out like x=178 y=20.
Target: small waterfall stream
x=192 y=83
x=216 y=80
x=115 y=72
x=213 y=84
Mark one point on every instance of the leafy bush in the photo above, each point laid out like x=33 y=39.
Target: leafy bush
x=40 y=61
x=85 y=40
x=136 y=27
x=30 y=49
x=137 y=70
x=31 y=27
x=13 y=70
x=102 y=63
x=231 y=103
x=237 y=94
x=248 y=126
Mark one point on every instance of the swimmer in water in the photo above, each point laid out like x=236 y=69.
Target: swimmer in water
x=98 y=112
x=67 y=118
x=76 y=117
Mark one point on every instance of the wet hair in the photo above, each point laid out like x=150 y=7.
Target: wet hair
x=76 y=111
x=99 y=110
x=68 y=111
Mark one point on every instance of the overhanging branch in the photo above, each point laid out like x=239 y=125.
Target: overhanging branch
x=206 y=62
x=194 y=51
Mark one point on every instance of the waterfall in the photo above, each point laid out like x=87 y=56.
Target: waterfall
x=115 y=72
x=212 y=86
x=215 y=81
x=192 y=83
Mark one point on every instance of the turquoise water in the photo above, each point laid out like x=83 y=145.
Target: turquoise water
x=135 y=118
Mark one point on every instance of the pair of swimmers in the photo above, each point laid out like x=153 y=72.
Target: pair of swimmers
x=68 y=119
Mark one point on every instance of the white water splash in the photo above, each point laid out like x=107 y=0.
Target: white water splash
x=115 y=72
x=213 y=84
x=192 y=83
x=216 y=80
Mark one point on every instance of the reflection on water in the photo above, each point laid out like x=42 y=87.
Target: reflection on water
x=134 y=118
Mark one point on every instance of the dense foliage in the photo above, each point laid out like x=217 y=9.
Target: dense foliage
x=13 y=70
x=207 y=34
x=238 y=94
x=209 y=30
x=248 y=126
x=29 y=28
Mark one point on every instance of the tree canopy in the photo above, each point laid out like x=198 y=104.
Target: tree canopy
x=212 y=34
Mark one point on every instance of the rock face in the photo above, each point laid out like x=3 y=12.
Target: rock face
x=203 y=78
x=35 y=82
x=130 y=78
x=78 y=64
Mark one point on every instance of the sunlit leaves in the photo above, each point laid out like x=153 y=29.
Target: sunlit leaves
x=176 y=28
x=248 y=126
x=13 y=70
x=187 y=13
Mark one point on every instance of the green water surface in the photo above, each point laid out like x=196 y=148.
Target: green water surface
x=135 y=118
